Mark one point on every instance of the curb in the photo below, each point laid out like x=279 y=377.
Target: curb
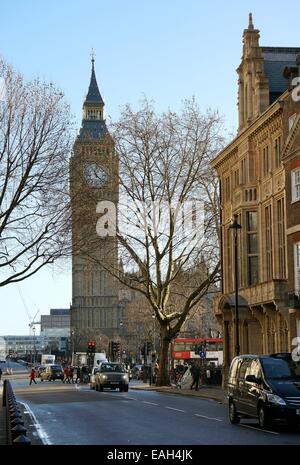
x=181 y=393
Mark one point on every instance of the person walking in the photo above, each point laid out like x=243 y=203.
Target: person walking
x=77 y=375
x=195 y=371
x=71 y=374
x=32 y=376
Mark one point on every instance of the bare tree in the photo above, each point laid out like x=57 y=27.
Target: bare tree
x=35 y=142
x=138 y=325
x=168 y=211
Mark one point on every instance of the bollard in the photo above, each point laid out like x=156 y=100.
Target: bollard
x=21 y=440
x=17 y=430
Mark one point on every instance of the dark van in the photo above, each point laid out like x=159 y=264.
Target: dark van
x=266 y=387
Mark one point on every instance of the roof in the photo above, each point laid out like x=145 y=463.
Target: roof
x=275 y=60
x=93 y=95
x=92 y=129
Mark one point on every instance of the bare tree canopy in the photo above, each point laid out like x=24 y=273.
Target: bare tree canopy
x=168 y=210
x=35 y=143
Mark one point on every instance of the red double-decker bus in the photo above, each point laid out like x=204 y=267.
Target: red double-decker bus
x=190 y=348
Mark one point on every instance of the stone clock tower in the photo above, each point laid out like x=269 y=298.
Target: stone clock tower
x=93 y=179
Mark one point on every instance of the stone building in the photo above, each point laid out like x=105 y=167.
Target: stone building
x=259 y=174
x=94 y=170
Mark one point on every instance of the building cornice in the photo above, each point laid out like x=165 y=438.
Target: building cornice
x=254 y=128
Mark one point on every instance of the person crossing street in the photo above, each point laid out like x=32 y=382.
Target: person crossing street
x=32 y=376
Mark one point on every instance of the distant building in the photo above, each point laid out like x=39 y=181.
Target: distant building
x=57 y=324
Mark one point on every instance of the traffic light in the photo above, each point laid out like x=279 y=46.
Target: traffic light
x=91 y=349
x=118 y=348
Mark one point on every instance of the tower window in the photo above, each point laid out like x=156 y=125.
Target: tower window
x=94 y=114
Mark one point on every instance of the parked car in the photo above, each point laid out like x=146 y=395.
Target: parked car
x=52 y=372
x=112 y=375
x=266 y=387
x=137 y=371
x=93 y=377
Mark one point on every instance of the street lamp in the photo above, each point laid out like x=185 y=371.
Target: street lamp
x=235 y=227
x=33 y=330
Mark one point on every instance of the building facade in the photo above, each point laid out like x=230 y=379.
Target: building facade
x=93 y=178
x=255 y=172
x=57 y=323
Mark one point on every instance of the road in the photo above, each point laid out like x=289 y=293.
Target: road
x=73 y=414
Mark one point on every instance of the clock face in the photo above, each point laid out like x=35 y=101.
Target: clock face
x=95 y=175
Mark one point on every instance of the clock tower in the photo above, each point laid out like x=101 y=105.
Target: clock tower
x=94 y=171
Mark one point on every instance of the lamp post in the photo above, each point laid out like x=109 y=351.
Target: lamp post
x=235 y=227
x=72 y=345
x=33 y=330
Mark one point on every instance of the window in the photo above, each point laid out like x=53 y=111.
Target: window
x=266 y=161
x=236 y=176
x=227 y=188
x=277 y=150
x=229 y=259
x=246 y=363
x=252 y=248
x=295 y=185
x=292 y=120
x=281 y=238
x=243 y=171
x=255 y=369
x=268 y=233
x=297 y=266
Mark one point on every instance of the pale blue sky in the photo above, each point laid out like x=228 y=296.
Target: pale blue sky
x=166 y=49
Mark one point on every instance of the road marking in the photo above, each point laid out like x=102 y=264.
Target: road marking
x=132 y=398
x=177 y=409
x=150 y=403
x=40 y=431
x=258 y=429
x=207 y=418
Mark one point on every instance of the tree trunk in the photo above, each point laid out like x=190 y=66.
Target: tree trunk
x=164 y=378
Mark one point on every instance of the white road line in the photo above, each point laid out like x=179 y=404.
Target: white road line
x=258 y=429
x=42 y=434
x=150 y=403
x=177 y=409
x=207 y=418
x=132 y=398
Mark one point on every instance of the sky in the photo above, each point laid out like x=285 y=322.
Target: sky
x=168 y=50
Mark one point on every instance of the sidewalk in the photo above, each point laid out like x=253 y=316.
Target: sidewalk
x=208 y=392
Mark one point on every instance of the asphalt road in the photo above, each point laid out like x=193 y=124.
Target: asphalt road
x=71 y=414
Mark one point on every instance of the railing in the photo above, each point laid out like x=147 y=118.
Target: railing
x=15 y=430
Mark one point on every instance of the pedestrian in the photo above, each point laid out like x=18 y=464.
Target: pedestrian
x=77 y=375
x=66 y=373
x=195 y=371
x=71 y=373
x=32 y=376
x=156 y=373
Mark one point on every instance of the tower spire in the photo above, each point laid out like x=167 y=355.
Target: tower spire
x=250 y=26
x=93 y=122
x=93 y=95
